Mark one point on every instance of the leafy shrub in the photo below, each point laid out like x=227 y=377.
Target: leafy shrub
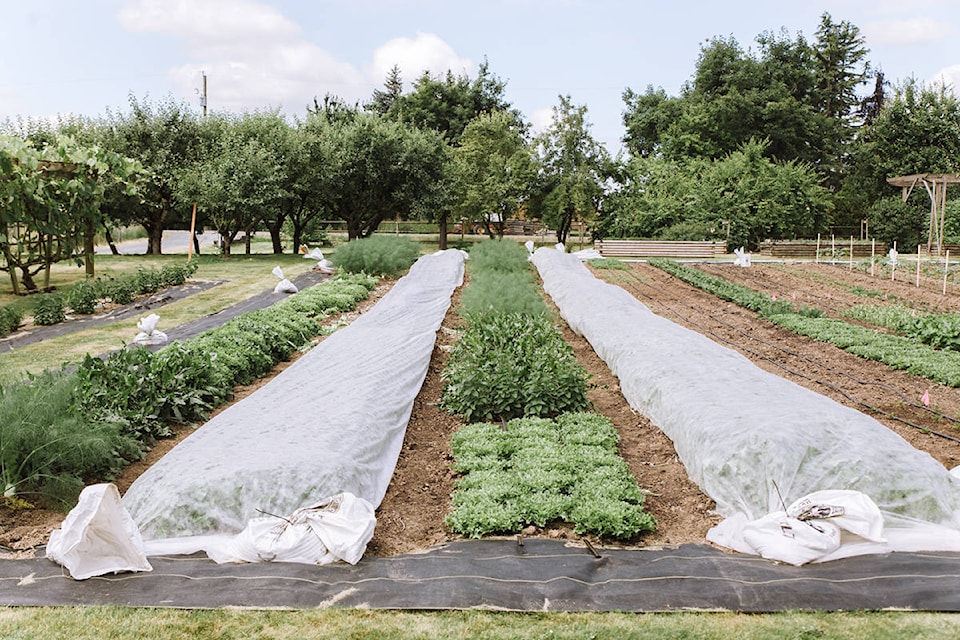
x=512 y=365
x=536 y=471
x=120 y=290
x=379 y=254
x=84 y=295
x=10 y=319
x=49 y=309
x=48 y=449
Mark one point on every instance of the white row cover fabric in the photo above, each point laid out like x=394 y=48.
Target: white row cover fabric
x=748 y=437
x=332 y=422
x=98 y=536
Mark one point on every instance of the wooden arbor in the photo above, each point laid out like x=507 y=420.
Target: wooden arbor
x=936 y=186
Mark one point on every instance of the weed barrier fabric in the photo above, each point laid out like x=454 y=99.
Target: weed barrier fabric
x=752 y=440
x=541 y=575
x=331 y=422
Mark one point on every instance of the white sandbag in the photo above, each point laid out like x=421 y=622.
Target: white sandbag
x=314 y=254
x=746 y=436
x=742 y=259
x=148 y=333
x=98 y=536
x=326 y=266
x=284 y=286
x=336 y=529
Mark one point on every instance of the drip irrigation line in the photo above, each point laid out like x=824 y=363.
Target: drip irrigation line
x=829 y=385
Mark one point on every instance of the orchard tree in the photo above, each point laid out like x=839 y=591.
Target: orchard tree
x=574 y=168
x=493 y=169
x=164 y=137
x=239 y=178
x=374 y=169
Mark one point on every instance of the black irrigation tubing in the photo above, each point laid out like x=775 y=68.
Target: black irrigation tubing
x=815 y=362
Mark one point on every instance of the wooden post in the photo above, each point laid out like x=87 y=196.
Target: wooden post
x=833 y=248
x=946 y=270
x=918 y=266
x=193 y=227
x=893 y=266
x=816 y=259
x=873 y=255
x=851 y=253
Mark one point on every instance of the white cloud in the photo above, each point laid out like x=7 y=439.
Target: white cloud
x=254 y=57
x=906 y=32
x=209 y=22
x=426 y=52
x=541 y=119
x=948 y=76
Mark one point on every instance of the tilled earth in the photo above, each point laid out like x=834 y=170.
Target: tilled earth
x=412 y=512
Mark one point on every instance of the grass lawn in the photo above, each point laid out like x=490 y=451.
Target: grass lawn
x=80 y=623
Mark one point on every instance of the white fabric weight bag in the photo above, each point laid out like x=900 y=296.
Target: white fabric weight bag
x=98 y=536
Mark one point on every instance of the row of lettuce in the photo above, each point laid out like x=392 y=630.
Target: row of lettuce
x=923 y=344
x=59 y=430
x=531 y=454
x=85 y=296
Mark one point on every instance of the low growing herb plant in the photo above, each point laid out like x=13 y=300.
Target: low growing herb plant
x=536 y=471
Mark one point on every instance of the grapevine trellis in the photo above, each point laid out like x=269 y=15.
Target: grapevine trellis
x=936 y=185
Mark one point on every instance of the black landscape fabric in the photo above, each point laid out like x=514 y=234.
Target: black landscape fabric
x=539 y=575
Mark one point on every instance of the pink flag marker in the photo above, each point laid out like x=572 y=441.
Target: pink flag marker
x=925 y=398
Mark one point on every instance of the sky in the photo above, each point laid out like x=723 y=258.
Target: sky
x=87 y=57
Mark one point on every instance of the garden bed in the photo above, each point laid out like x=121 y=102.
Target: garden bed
x=412 y=512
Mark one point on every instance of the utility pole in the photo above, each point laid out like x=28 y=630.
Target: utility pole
x=203 y=96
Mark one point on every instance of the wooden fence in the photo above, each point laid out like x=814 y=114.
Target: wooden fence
x=660 y=248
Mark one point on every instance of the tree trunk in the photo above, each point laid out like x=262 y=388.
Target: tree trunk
x=110 y=242
x=443 y=231
x=225 y=242
x=89 y=237
x=27 y=279
x=275 y=230
x=196 y=244
x=246 y=242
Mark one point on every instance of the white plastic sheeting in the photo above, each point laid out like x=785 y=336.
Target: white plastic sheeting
x=332 y=422
x=748 y=437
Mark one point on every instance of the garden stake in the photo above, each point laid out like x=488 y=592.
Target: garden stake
x=590 y=547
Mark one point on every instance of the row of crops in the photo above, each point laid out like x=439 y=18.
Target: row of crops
x=536 y=456
x=738 y=431
x=86 y=295
x=922 y=344
x=59 y=430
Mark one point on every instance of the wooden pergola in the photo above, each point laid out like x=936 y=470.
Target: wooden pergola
x=936 y=186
